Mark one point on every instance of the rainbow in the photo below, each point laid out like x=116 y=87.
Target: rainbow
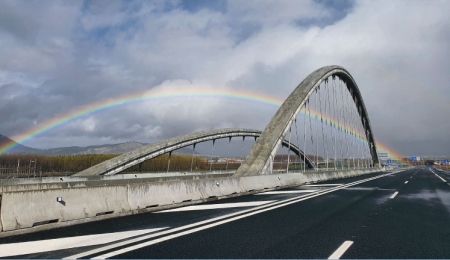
x=167 y=93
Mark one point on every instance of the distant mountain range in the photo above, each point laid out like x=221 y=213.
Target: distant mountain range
x=73 y=150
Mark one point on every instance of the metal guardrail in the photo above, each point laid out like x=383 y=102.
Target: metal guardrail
x=14 y=172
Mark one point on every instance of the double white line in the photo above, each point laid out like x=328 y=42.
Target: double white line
x=202 y=225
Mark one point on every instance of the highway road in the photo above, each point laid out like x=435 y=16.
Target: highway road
x=399 y=214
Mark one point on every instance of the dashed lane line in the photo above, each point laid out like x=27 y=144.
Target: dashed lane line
x=341 y=250
x=393 y=195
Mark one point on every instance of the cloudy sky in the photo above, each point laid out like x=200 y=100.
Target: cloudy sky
x=58 y=56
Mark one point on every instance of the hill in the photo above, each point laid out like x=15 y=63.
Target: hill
x=18 y=147
x=74 y=150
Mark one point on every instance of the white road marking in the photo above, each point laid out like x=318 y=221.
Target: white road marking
x=438 y=176
x=135 y=240
x=218 y=206
x=406 y=182
x=442 y=179
x=252 y=212
x=321 y=185
x=23 y=248
x=366 y=188
x=393 y=195
x=341 y=250
x=285 y=192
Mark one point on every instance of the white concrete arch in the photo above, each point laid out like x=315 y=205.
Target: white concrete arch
x=259 y=158
x=127 y=160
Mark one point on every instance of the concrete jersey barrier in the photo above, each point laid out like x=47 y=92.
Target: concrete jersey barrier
x=33 y=210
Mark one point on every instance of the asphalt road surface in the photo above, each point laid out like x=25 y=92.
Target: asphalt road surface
x=399 y=214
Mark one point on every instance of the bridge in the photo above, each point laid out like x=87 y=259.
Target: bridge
x=332 y=193
x=125 y=161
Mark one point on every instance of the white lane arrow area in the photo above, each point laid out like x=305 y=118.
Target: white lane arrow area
x=24 y=248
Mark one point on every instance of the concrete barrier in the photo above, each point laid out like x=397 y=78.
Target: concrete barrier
x=30 y=208
x=164 y=175
x=95 y=181
x=25 y=209
x=1 y=225
x=158 y=194
x=165 y=193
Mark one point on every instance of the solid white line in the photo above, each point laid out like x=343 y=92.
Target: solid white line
x=321 y=185
x=284 y=192
x=406 y=182
x=120 y=244
x=218 y=206
x=124 y=243
x=162 y=239
x=393 y=195
x=40 y=246
x=438 y=176
x=441 y=178
x=276 y=205
x=341 y=250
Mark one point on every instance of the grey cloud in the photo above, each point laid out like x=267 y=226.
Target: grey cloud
x=10 y=22
x=74 y=54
